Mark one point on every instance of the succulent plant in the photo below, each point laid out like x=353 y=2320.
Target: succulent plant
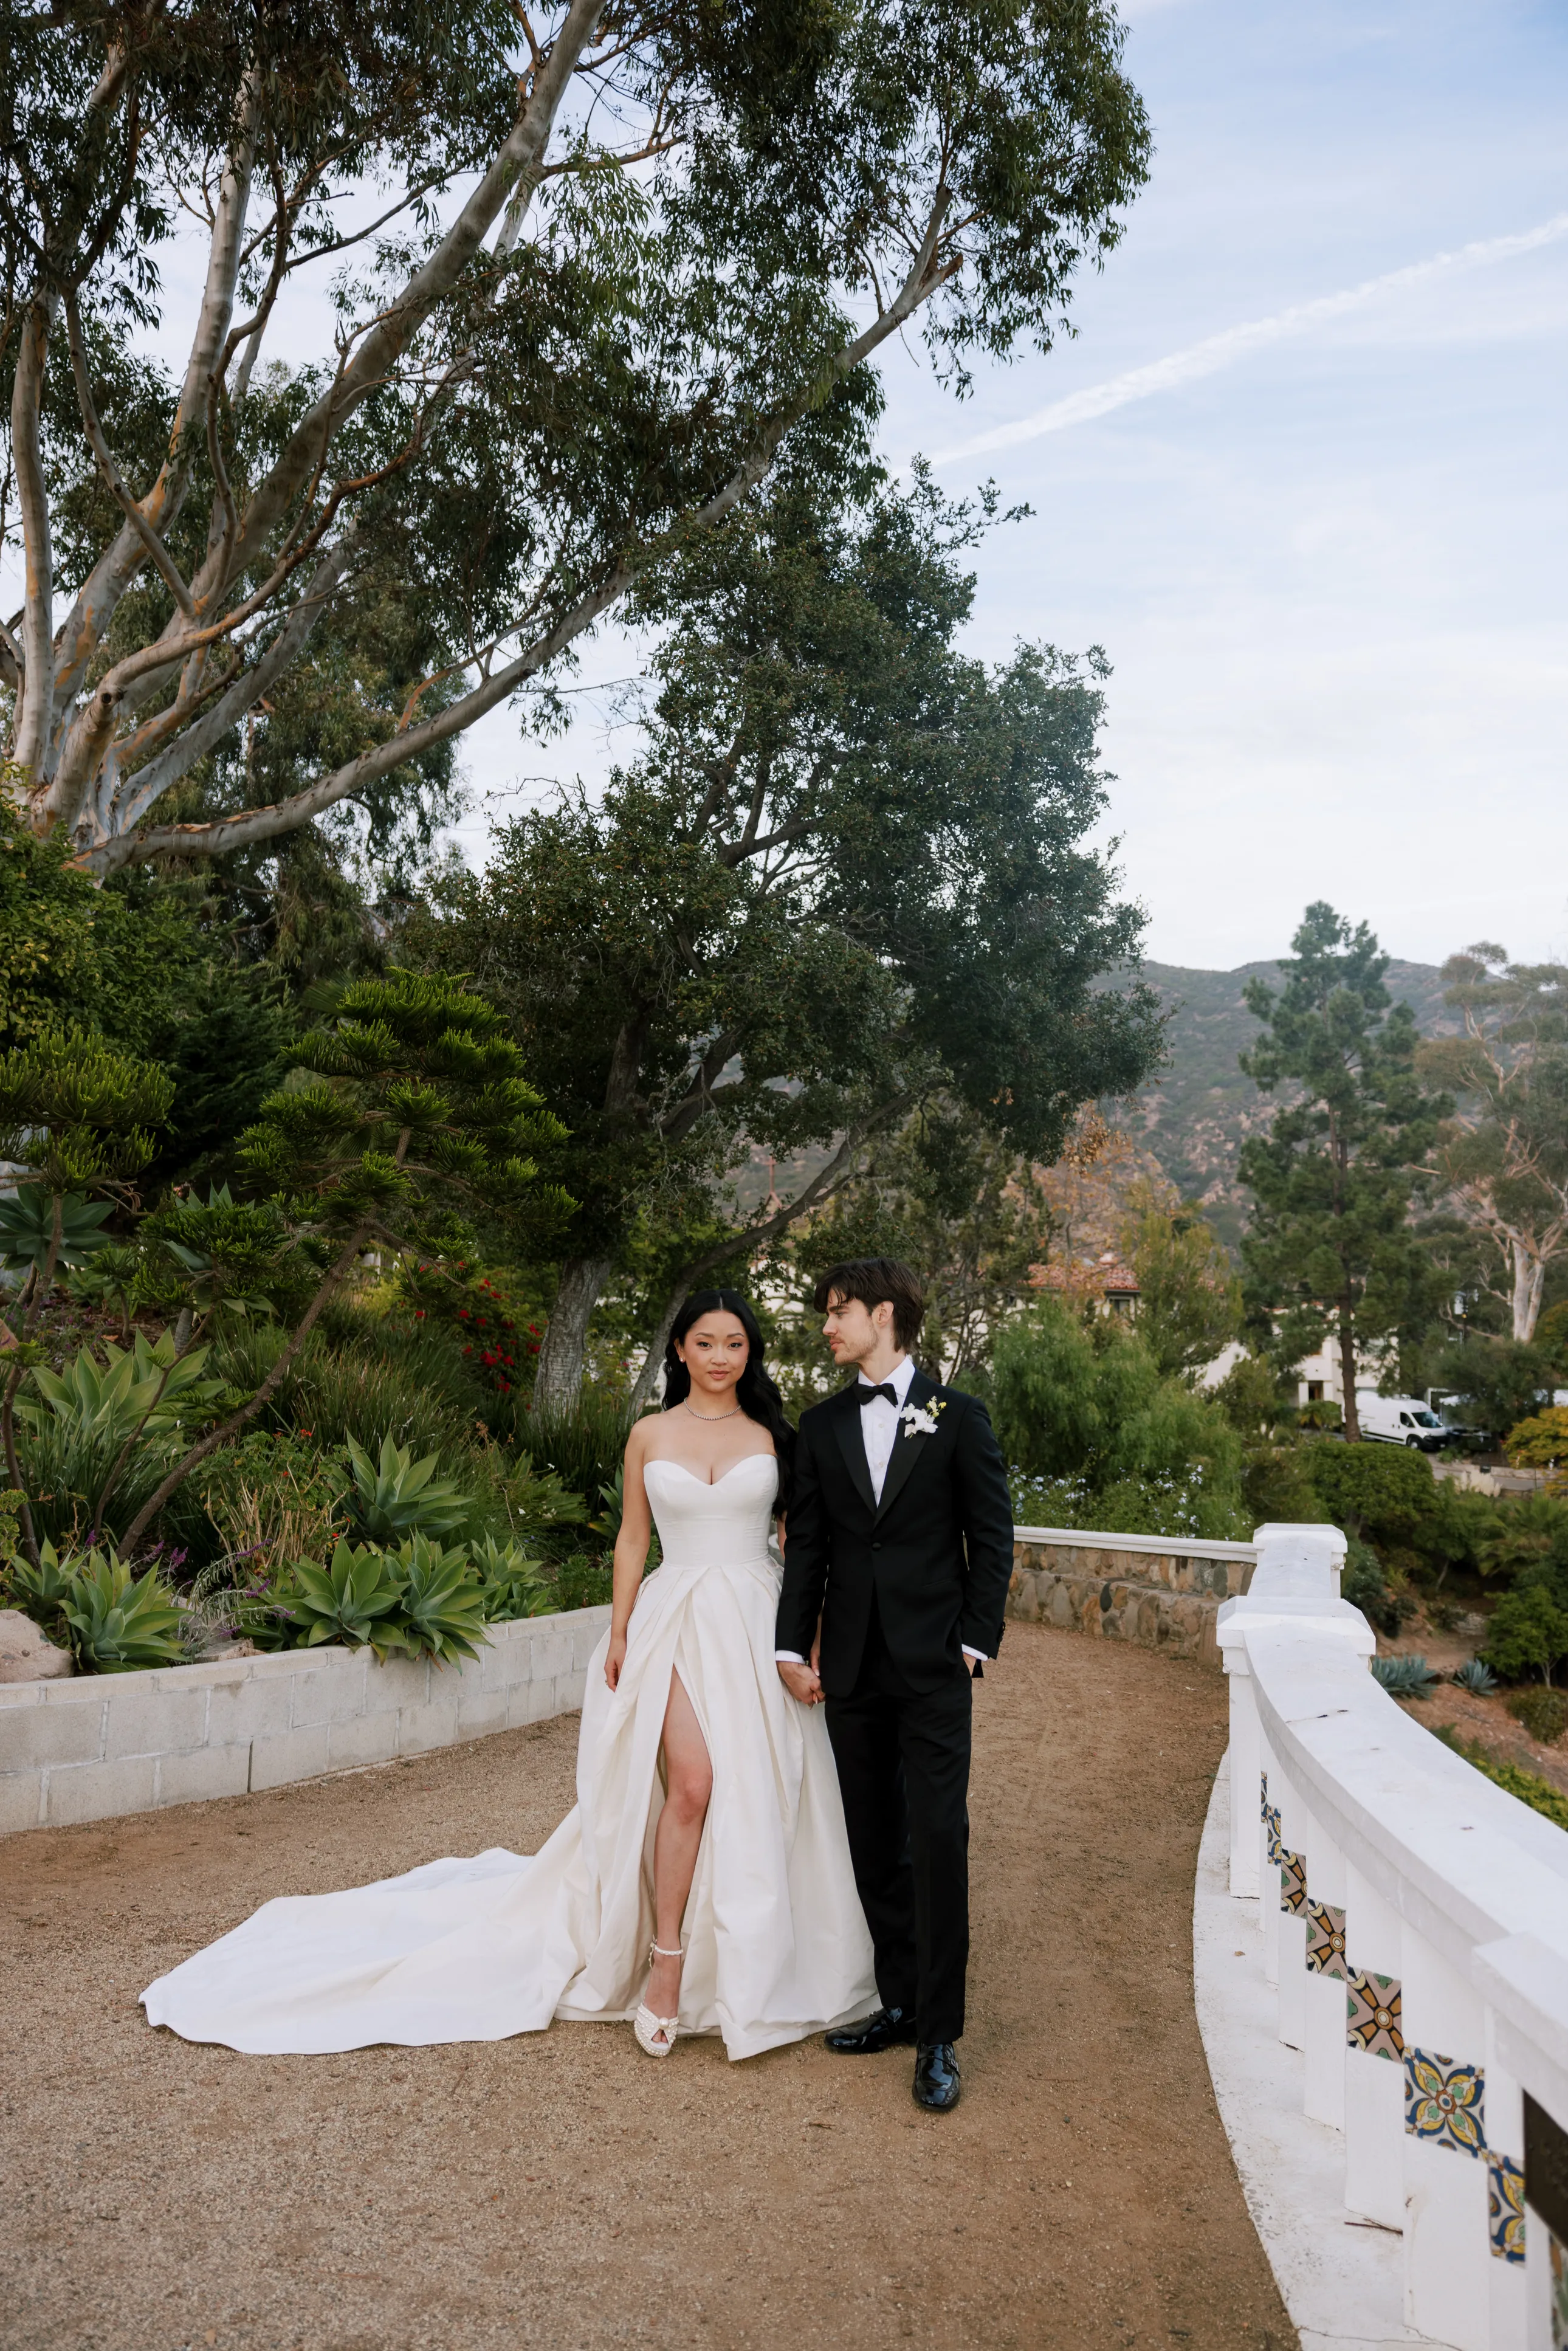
x=1476 y=1675
x=1404 y=1677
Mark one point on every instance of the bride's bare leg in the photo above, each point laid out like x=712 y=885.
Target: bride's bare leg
x=689 y=1773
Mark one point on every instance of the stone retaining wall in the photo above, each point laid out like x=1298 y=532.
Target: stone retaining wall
x=87 y=1748
x=1157 y=1592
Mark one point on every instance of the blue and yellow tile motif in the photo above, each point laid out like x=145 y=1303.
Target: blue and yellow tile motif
x=1557 y=2257
x=1445 y=2102
x=1373 y=2014
x=1505 y=2206
x=1270 y=1814
x=1325 y=1940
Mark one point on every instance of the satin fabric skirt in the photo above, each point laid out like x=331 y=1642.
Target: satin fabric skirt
x=477 y=1949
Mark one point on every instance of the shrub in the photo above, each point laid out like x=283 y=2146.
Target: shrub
x=1477 y=1675
x=1091 y=1408
x=1528 y=1786
x=1528 y=1633
x=1366 y=1587
x=582 y=1580
x=1542 y=1443
x=273 y=1497
x=584 y=1445
x=1404 y=1677
x=1497 y=1381
x=1525 y=1533
x=1543 y=1712
x=1378 y=1491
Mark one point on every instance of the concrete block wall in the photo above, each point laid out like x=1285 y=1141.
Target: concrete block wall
x=102 y=1744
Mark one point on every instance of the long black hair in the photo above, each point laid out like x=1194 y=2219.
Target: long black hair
x=756 y=1391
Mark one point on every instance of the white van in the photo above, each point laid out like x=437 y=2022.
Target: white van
x=1401 y=1420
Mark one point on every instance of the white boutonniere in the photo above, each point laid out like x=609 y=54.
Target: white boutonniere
x=920 y=1419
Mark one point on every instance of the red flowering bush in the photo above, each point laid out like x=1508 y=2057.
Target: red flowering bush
x=484 y=1310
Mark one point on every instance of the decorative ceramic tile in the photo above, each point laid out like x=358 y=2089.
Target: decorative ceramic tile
x=1557 y=2254
x=1292 y=1881
x=1325 y=1940
x=1505 y=2207
x=1270 y=1814
x=1445 y=2102
x=1372 y=2007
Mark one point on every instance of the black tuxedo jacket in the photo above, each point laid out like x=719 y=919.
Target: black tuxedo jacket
x=938 y=1551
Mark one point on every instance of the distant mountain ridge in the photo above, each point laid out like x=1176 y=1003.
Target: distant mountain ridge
x=1195 y=1114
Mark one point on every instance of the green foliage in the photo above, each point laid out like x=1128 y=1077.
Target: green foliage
x=396 y=1496
x=1526 y=1539
x=1528 y=1633
x=1528 y=1786
x=411 y=1103
x=1551 y=1337
x=1329 y=1249
x=1543 y=1712
x=511 y=1584
x=1378 y=1491
x=440 y=1607
x=112 y=1621
x=583 y=1444
x=222 y=1257
x=482 y=1309
x=75 y=1114
x=1404 y=1677
x=28 y=1229
x=582 y=1580
x=1189 y=1300
x=354 y=1599
x=1365 y=1585
x=146 y=1389
x=1476 y=1676
x=1074 y=1404
x=1542 y=1443
x=1498 y=1382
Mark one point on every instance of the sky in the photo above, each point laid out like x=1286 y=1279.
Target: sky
x=1325 y=559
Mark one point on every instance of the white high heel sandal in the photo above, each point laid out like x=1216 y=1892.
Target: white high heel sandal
x=645 y=2025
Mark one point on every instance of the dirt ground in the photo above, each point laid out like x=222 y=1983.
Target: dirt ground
x=560 y=2189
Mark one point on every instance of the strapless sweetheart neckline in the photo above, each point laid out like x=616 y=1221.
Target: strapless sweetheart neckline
x=661 y=1462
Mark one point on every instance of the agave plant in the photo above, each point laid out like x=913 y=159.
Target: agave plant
x=350 y=1600
x=511 y=1584
x=1404 y=1677
x=146 y=1389
x=442 y=1607
x=399 y=1495
x=27 y=1224
x=40 y=1592
x=118 y=1623
x=1476 y=1675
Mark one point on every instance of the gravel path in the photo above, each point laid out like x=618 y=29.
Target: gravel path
x=559 y=2189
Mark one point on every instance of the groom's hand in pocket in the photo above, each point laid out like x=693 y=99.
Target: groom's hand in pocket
x=800 y=1681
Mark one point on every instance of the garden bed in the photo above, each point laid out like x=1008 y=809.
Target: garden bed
x=98 y=1745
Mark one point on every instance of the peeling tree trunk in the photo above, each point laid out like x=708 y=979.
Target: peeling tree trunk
x=560 y=1373
x=1529 y=1283
x=1347 y=1372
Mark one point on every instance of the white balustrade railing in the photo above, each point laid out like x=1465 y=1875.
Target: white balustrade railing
x=1415 y=1922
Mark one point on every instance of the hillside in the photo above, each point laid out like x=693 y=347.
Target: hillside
x=1195 y=1115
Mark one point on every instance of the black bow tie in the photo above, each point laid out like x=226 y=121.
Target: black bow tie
x=886 y=1389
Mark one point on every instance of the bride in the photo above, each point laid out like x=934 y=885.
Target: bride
x=702 y=1883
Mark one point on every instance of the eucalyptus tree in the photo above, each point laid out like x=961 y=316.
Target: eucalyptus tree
x=586 y=276
x=1502 y=1161
x=848 y=874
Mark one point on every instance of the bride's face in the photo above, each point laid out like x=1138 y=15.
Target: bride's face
x=714 y=1350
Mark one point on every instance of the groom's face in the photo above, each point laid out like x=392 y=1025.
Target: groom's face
x=852 y=1329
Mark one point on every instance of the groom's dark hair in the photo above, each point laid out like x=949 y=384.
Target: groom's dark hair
x=874 y=1280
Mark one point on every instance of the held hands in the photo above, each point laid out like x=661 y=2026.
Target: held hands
x=803 y=1682
x=614 y=1658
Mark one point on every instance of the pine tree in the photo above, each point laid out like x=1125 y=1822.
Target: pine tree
x=1330 y=1247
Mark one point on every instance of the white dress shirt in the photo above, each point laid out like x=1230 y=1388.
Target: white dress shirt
x=879 y=1429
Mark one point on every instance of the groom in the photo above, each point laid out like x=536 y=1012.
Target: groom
x=899 y=1539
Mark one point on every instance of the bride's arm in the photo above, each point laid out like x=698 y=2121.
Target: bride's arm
x=630 y=1551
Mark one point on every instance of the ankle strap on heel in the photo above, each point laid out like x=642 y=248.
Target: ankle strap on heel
x=657 y=1951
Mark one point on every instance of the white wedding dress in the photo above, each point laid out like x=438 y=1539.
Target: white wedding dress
x=775 y=1941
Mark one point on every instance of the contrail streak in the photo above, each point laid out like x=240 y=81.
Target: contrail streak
x=1223 y=350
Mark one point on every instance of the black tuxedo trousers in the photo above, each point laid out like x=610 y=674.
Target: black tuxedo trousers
x=904 y=1772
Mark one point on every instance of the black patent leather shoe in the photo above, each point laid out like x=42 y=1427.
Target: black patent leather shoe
x=937 y=2081
x=884 y=2028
